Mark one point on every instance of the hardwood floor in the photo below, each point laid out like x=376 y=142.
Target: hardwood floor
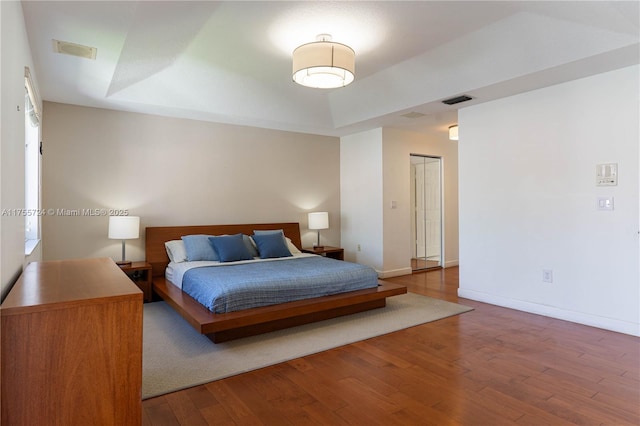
x=490 y=366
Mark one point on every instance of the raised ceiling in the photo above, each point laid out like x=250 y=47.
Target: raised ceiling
x=230 y=62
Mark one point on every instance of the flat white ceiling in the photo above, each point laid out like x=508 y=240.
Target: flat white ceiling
x=230 y=62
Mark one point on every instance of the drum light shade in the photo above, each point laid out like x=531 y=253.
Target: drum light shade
x=323 y=64
x=124 y=227
x=319 y=220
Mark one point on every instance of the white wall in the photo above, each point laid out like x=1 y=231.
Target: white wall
x=361 y=198
x=177 y=172
x=528 y=201
x=16 y=54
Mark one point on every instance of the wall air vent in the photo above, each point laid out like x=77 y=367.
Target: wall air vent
x=74 y=49
x=457 y=100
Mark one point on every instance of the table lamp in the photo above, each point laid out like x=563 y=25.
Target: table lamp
x=318 y=221
x=124 y=228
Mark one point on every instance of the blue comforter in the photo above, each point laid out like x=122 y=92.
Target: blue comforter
x=235 y=287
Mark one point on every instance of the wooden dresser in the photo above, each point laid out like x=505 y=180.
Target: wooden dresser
x=72 y=346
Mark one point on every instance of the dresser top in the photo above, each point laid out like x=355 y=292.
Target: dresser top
x=68 y=282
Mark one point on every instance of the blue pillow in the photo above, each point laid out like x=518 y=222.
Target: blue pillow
x=198 y=248
x=230 y=248
x=271 y=232
x=271 y=245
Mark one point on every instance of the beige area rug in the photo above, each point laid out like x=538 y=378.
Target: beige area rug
x=176 y=357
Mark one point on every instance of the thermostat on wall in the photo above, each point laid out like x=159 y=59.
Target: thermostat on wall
x=607 y=174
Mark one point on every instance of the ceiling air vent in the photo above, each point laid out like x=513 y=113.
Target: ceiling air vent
x=74 y=49
x=413 y=114
x=457 y=100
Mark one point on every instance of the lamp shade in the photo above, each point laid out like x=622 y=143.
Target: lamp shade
x=319 y=220
x=453 y=132
x=124 y=227
x=323 y=64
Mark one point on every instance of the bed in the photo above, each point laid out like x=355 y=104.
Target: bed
x=247 y=322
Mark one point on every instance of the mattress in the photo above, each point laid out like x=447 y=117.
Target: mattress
x=235 y=286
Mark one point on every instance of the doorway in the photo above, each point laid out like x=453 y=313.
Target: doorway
x=426 y=221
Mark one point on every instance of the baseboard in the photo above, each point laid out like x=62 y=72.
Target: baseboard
x=394 y=273
x=550 y=311
x=451 y=263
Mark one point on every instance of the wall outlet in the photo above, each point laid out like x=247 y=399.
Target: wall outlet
x=358 y=247
x=547 y=275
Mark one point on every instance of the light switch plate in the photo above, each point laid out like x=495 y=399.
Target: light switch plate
x=605 y=203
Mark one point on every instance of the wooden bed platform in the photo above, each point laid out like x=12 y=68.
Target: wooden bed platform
x=249 y=322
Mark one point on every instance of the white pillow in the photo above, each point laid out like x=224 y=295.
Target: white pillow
x=176 y=251
x=292 y=247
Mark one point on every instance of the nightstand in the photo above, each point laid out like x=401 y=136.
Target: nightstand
x=327 y=251
x=140 y=274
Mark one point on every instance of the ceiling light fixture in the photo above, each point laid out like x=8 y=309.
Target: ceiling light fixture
x=323 y=64
x=453 y=132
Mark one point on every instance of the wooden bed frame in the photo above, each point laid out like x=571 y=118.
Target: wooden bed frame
x=233 y=325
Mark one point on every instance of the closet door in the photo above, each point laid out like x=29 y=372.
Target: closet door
x=426 y=190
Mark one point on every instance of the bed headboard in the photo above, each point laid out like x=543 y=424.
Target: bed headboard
x=156 y=236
